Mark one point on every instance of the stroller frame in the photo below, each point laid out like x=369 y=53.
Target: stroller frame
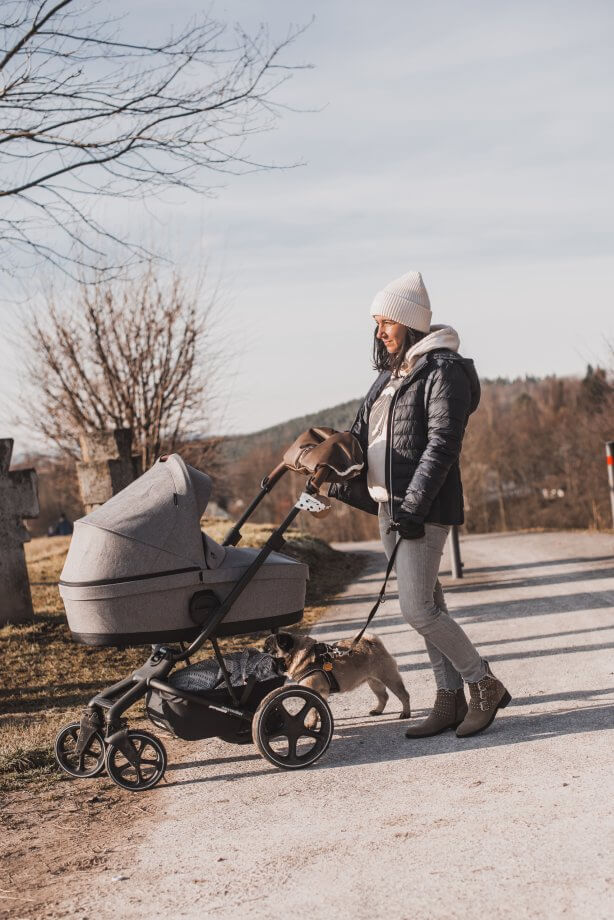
x=136 y=760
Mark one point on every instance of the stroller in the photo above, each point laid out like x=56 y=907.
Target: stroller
x=140 y=571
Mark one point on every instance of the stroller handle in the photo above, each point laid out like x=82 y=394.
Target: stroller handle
x=234 y=534
x=294 y=460
x=274 y=476
x=313 y=484
x=318 y=478
x=315 y=480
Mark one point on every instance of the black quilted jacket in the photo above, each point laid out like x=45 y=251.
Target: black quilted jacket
x=427 y=421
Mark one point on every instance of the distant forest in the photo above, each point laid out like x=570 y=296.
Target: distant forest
x=533 y=457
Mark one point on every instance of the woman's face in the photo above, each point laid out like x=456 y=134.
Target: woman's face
x=392 y=334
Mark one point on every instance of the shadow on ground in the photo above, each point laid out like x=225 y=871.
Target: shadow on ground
x=357 y=741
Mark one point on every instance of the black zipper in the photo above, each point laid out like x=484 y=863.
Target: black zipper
x=388 y=468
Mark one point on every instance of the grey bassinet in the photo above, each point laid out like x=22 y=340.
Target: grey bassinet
x=138 y=565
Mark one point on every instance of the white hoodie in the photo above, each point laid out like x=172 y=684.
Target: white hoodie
x=438 y=337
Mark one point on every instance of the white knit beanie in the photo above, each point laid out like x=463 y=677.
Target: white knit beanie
x=405 y=301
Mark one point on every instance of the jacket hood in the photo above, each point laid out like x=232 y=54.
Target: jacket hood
x=438 y=337
x=444 y=337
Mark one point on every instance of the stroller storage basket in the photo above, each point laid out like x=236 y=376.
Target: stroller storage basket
x=139 y=570
x=252 y=674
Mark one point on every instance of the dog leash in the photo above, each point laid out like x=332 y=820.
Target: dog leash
x=380 y=597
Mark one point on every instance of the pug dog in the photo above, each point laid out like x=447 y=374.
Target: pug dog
x=368 y=662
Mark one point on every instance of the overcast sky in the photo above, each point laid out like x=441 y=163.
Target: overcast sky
x=472 y=141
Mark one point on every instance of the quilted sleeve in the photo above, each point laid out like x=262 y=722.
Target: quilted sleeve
x=447 y=412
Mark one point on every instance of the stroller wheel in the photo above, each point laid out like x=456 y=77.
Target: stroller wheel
x=138 y=763
x=86 y=764
x=292 y=727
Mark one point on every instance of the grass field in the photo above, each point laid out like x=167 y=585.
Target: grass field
x=46 y=678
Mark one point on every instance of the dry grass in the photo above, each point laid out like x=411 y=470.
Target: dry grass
x=47 y=678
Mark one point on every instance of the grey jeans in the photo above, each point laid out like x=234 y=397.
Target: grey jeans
x=453 y=657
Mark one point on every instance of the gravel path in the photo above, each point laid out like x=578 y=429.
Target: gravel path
x=516 y=822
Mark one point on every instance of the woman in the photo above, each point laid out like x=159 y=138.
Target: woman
x=411 y=427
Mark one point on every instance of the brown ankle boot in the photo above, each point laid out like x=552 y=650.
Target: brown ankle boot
x=486 y=697
x=449 y=711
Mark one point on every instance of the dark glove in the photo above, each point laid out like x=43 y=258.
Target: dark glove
x=408 y=530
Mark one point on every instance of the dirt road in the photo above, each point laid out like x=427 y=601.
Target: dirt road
x=513 y=823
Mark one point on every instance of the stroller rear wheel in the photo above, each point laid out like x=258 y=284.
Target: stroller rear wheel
x=292 y=727
x=85 y=764
x=137 y=762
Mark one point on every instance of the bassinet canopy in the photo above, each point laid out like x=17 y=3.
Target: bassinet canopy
x=151 y=526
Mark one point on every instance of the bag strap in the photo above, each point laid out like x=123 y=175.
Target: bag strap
x=380 y=597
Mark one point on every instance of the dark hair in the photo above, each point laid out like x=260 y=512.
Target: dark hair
x=383 y=361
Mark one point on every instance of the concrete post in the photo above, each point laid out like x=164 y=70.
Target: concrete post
x=609 y=453
x=18 y=500
x=108 y=465
x=455 y=556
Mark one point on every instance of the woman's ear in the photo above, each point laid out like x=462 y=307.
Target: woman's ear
x=285 y=641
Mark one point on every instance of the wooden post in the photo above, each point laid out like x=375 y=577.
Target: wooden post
x=609 y=453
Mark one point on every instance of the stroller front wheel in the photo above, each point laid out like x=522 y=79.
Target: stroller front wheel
x=80 y=764
x=292 y=727
x=137 y=762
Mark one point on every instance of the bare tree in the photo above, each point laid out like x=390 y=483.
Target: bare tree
x=137 y=354
x=86 y=112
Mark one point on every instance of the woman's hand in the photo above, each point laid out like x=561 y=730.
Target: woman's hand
x=408 y=530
